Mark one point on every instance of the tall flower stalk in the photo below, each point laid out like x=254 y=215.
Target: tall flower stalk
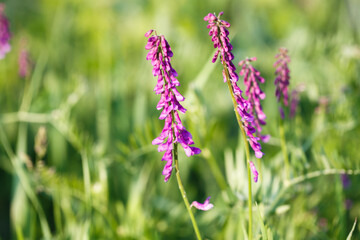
x=282 y=81
x=252 y=81
x=174 y=132
x=219 y=33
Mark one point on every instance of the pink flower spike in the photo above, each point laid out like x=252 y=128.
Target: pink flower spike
x=160 y=54
x=282 y=79
x=202 y=206
x=220 y=37
x=254 y=171
x=252 y=80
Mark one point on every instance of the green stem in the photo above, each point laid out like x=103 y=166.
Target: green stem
x=86 y=179
x=284 y=149
x=25 y=117
x=25 y=183
x=247 y=151
x=87 y=187
x=183 y=193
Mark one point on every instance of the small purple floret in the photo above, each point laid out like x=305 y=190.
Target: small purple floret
x=202 y=206
x=174 y=131
x=254 y=171
x=346 y=182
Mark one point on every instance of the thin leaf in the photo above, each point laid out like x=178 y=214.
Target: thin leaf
x=263 y=227
x=352 y=230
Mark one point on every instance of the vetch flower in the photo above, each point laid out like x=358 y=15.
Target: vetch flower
x=346 y=182
x=24 y=63
x=174 y=131
x=4 y=33
x=219 y=36
x=254 y=171
x=282 y=78
x=202 y=206
x=252 y=79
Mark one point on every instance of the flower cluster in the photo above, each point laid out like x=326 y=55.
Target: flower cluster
x=282 y=73
x=173 y=131
x=219 y=33
x=4 y=33
x=252 y=79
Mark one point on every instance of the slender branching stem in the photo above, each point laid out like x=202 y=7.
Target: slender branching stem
x=183 y=193
x=247 y=151
x=284 y=149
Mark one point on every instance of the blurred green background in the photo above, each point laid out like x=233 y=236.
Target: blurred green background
x=91 y=88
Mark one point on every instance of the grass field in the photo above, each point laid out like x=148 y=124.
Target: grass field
x=76 y=159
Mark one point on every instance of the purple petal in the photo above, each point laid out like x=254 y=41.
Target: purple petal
x=167 y=170
x=148 y=33
x=202 y=206
x=265 y=138
x=254 y=171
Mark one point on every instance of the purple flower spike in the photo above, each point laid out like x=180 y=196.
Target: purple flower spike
x=252 y=79
x=282 y=73
x=254 y=171
x=294 y=103
x=219 y=36
x=4 y=33
x=24 y=63
x=202 y=206
x=160 y=54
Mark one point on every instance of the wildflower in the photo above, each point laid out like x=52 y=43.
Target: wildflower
x=173 y=131
x=219 y=33
x=4 y=33
x=24 y=63
x=282 y=73
x=202 y=206
x=252 y=79
x=345 y=180
x=254 y=171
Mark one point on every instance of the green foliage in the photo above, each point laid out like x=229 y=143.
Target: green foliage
x=91 y=88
